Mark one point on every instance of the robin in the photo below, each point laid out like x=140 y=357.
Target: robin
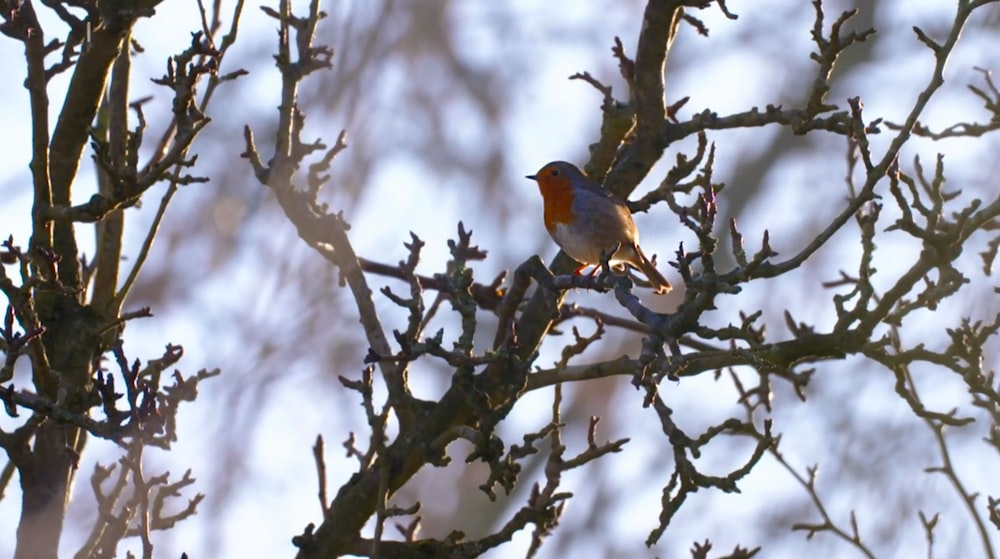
x=584 y=219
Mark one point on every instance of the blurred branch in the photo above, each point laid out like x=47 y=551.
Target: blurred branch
x=942 y=51
x=22 y=24
x=966 y=347
x=828 y=525
x=112 y=130
x=128 y=184
x=133 y=505
x=968 y=498
x=147 y=245
x=686 y=479
x=486 y=296
x=645 y=141
x=69 y=138
x=148 y=409
x=700 y=551
x=994 y=511
x=808 y=483
x=829 y=49
x=543 y=509
x=205 y=59
x=617 y=119
x=991 y=102
x=319 y=457
x=22 y=307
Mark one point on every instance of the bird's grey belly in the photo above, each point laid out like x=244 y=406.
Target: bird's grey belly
x=582 y=244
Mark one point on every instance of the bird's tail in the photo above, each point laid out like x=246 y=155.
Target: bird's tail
x=660 y=283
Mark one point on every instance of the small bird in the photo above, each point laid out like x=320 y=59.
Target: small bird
x=585 y=219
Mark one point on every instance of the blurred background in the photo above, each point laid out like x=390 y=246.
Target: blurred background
x=447 y=105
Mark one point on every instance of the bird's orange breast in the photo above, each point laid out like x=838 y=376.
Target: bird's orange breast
x=557 y=197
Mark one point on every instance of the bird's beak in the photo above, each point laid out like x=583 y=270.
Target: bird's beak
x=532 y=177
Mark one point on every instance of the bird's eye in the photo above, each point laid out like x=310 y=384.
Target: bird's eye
x=554 y=173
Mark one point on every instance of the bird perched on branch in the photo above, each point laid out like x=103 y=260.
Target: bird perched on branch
x=585 y=219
